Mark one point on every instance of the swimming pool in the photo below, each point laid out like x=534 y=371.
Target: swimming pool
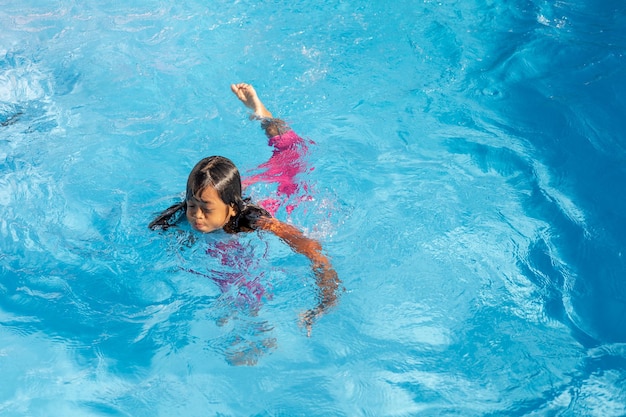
x=467 y=181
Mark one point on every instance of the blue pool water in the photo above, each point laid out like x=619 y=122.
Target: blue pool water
x=468 y=182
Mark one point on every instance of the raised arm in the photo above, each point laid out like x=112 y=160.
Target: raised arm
x=325 y=276
x=248 y=96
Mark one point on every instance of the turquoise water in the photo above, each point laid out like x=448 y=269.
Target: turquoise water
x=468 y=186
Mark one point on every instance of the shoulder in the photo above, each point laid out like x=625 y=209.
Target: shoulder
x=268 y=223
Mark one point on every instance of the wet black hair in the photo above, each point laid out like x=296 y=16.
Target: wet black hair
x=221 y=174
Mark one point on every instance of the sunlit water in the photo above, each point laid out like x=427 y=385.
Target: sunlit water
x=467 y=182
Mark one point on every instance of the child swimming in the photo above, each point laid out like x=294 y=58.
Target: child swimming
x=214 y=201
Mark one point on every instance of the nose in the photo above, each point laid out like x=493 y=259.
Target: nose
x=195 y=212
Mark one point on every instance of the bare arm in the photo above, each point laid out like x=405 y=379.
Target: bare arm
x=325 y=276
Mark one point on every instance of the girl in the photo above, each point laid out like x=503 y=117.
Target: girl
x=214 y=201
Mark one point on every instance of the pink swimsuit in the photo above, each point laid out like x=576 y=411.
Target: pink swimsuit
x=249 y=293
x=282 y=168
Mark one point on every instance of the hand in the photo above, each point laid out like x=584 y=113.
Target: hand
x=308 y=317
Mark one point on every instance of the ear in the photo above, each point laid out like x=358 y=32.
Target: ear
x=232 y=210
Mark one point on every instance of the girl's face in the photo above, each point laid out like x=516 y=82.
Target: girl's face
x=206 y=212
